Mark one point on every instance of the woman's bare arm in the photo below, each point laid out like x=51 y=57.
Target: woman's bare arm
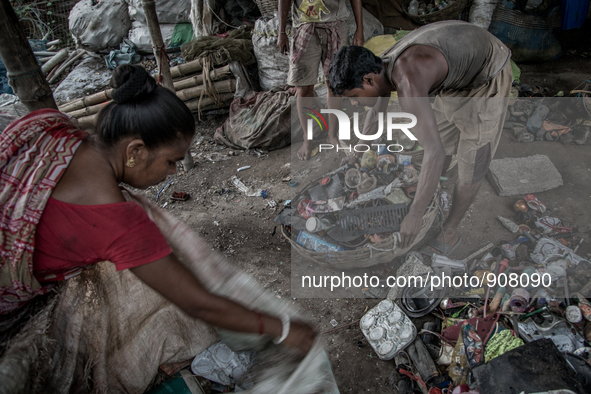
x=177 y=284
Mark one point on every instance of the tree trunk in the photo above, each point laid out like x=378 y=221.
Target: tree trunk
x=23 y=72
x=159 y=50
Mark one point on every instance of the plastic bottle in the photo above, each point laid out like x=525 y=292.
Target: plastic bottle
x=413 y=7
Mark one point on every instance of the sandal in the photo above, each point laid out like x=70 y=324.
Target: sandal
x=535 y=122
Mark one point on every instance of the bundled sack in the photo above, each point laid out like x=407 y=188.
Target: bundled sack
x=259 y=120
x=273 y=66
x=481 y=12
x=100 y=26
x=532 y=35
x=220 y=51
x=168 y=11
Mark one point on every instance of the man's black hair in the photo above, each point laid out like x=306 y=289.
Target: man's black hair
x=349 y=66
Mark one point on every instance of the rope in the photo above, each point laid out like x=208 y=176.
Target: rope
x=161 y=50
x=207 y=65
x=395 y=240
x=220 y=19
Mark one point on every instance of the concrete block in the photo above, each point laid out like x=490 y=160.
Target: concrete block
x=523 y=175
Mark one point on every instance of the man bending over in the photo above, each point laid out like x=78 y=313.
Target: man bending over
x=460 y=65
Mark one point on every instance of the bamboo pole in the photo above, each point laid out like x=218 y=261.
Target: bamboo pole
x=87 y=101
x=66 y=64
x=91 y=110
x=186 y=69
x=87 y=122
x=44 y=53
x=196 y=80
x=54 y=61
x=105 y=95
x=23 y=72
x=157 y=43
x=225 y=86
x=207 y=101
x=163 y=66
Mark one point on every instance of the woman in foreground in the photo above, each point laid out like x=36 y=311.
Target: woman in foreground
x=63 y=209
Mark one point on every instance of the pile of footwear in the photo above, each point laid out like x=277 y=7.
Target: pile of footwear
x=550 y=119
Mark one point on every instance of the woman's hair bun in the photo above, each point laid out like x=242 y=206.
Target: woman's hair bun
x=130 y=83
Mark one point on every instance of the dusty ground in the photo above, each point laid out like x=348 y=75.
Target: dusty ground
x=242 y=228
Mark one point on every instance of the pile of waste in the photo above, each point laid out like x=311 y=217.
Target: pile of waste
x=564 y=120
x=515 y=314
x=420 y=8
x=353 y=206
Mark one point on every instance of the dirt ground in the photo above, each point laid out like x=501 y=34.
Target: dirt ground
x=242 y=227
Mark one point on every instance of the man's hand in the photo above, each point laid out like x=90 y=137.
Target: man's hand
x=409 y=228
x=358 y=38
x=283 y=43
x=349 y=160
x=300 y=337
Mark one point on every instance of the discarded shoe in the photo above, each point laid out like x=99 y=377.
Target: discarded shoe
x=566 y=139
x=440 y=248
x=534 y=123
x=580 y=134
x=522 y=134
x=535 y=204
x=549 y=136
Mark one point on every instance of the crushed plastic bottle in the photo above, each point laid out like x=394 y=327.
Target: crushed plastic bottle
x=413 y=7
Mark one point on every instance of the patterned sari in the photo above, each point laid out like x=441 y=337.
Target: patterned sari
x=34 y=153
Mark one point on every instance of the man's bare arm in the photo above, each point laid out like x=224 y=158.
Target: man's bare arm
x=283 y=12
x=416 y=74
x=372 y=119
x=358 y=38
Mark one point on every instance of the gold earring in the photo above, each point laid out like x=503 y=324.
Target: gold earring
x=131 y=162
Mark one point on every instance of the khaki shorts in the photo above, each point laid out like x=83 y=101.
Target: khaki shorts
x=471 y=122
x=305 y=72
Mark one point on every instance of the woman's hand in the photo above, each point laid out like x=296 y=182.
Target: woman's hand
x=301 y=337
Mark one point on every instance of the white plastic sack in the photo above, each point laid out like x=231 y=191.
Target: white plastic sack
x=371 y=26
x=273 y=65
x=139 y=34
x=168 y=11
x=101 y=26
x=202 y=17
x=481 y=12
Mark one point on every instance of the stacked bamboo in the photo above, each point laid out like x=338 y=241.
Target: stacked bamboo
x=55 y=63
x=189 y=84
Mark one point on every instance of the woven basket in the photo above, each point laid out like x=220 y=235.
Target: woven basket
x=368 y=255
x=451 y=12
x=268 y=7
